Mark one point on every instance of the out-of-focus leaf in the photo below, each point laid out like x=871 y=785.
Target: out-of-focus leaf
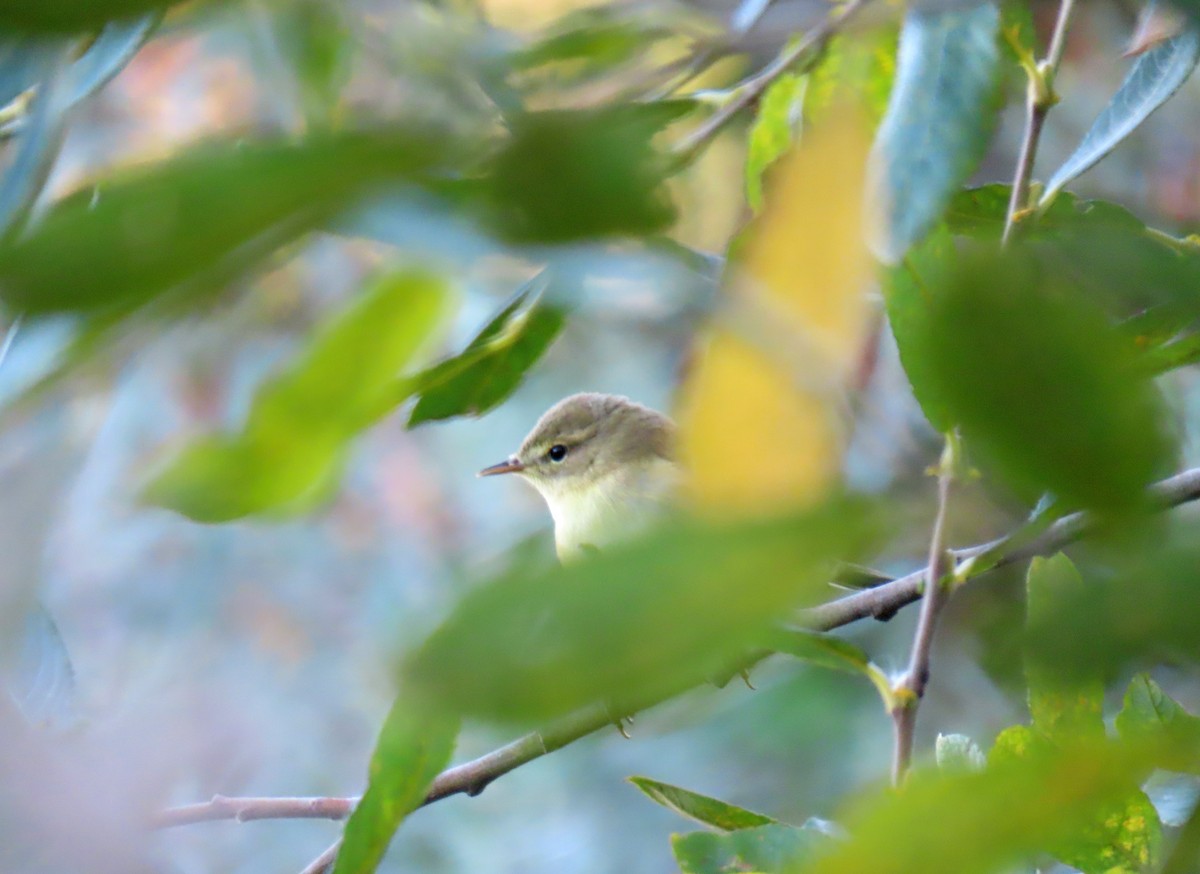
x=1017 y=29
x=939 y=117
x=1156 y=75
x=957 y=753
x=1149 y=712
x=21 y=65
x=766 y=848
x=153 y=228
x=72 y=16
x=980 y=212
x=709 y=811
x=863 y=64
x=909 y=289
x=313 y=37
x=41 y=679
x=109 y=52
x=1157 y=22
x=494 y=363
x=570 y=174
x=1046 y=391
x=794 y=323
x=987 y=821
x=631 y=623
x=831 y=652
x=37 y=146
x=1064 y=708
x=288 y=455
x=594 y=38
x=413 y=747
x=774 y=128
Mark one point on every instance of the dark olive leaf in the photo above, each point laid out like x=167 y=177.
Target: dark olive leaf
x=940 y=115
x=1047 y=392
x=702 y=808
x=72 y=16
x=154 y=228
x=571 y=174
x=1066 y=708
x=288 y=456
x=494 y=363
x=633 y=622
x=765 y=849
x=1156 y=75
x=413 y=748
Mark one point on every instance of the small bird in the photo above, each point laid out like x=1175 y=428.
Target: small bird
x=604 y=465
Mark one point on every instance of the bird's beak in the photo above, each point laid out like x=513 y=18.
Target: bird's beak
x=511 y=465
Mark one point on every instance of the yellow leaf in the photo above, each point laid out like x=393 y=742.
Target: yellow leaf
x=761 y=424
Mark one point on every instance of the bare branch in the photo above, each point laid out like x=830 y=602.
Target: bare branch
x=324 y=862
x=750 y=89
x=882 y=601
x=1041 y=97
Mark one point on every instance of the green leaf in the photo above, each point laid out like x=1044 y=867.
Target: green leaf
x=632 y=623
x=153 y=228
x=412 y=750
x=861 y=64
x=831 y=652
x=595 y=39
x=72 y=16
x=774 y=129
x=702 y=808
x=767 y=848
x=1156 y=75
x=315 y=40
x=1067 y=708
x=987 y=821
x=1047 y=392
x=909 y=289
x=572 y=174
x=939 y=117
x=289 y=454
x=957 y=753
x=1149 y=712
x=494 y=363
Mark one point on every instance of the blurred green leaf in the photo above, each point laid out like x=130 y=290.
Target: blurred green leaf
x=987 y=821
x=709 y=811
x=1149 y=712
x=413 y=748
x=1018 y=30
x=288 y=455
x=1069 y=707
x=766 y=848
x=957 y=753
x=594 y=39
x=939 y=117
x=632 y=623
x=827 y=651
x=858 y=64
x=571 y=174
x=909 y=289
x=1156 y=75
x=1046 y=391
x=774 y=128
x=152 y=228
x=72 y=16
x=494 y=363
x=315 y=40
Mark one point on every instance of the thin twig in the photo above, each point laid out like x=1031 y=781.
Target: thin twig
x=911 y=688
x=750 y=89
x=881 y=601
x=1041 y=97
x=324 y=862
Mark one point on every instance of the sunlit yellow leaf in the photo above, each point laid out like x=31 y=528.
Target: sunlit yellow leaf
x=760 y=413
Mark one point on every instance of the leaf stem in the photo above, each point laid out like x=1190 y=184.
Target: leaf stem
x=911 y=688
x=1041 y=96
x=749 y=90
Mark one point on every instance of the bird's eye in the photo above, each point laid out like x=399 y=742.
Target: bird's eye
x=557 y=452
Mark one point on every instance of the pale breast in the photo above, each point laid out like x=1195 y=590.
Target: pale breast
x=610 y=509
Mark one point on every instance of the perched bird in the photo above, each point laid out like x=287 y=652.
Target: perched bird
x=604 y=465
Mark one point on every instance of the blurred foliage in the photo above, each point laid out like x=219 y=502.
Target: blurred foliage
x=553 y=148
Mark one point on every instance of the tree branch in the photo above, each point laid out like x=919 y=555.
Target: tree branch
x=750 y=89
x=911 y=688
x=1041 y=97
x=882 y=601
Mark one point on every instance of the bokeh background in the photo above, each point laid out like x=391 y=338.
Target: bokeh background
x=256 y=658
